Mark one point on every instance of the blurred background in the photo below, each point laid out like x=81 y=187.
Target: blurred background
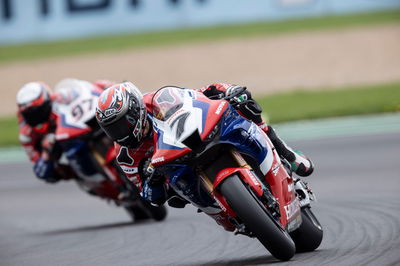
x=272 y=47
x=303 y=60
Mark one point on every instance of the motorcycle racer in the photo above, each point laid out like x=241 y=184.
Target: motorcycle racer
x=124 y=114
x=38 y=123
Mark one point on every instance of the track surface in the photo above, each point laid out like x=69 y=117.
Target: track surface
x=356 y=181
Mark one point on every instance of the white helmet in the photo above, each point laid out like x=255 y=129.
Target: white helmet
x=34 y=103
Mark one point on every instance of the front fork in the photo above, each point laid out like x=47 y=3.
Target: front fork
x=226 y=217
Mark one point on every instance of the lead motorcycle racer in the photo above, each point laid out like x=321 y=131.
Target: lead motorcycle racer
x=178 y=145
x=125 y=115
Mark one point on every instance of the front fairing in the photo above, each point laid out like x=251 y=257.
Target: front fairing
x=233 y=131
x=177 y=114
x=243 y=135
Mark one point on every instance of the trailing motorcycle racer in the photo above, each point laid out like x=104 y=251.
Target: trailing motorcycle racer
x=40 y=129
x=125 y=115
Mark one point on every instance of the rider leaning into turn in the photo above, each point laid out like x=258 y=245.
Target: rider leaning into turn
x=123 y=113
x=37 y=127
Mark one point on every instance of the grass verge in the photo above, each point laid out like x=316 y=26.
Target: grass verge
x=332 y=103
x=295 y=106
x=124 y=42
x=9 y=132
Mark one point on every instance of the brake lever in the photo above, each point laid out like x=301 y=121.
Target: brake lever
x=237 y=92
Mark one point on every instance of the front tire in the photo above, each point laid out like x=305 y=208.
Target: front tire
x=257 y=218
x=145 y=211
x=158 y=213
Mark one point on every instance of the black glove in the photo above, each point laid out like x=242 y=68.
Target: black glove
x=214 y=94
x=242 y=101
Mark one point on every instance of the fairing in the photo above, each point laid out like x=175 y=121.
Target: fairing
x=74 y=106
x=235 y=132
x=177 y=113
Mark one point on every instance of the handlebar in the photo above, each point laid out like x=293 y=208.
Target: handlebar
x=237 y=92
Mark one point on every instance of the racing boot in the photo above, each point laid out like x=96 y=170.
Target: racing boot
x=251 y=110
x=300 y=164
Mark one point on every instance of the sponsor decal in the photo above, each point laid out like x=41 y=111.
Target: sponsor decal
x=292 y=208
x=158 y=160
x=109 y=112
x=253 y=178
x=171 y=119
x=220 y=204
x=275 y=169
x=129 y=170
x=219 y=109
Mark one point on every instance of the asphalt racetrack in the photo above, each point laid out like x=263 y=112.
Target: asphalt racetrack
x=357 y=183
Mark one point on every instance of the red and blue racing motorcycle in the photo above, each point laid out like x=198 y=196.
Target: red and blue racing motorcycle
x=226 y=166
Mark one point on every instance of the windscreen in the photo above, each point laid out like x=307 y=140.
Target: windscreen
x=167 y=101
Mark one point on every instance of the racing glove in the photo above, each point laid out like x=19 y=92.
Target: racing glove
x=155 y=193
x=244 y=103
x=44 y=169
x=154 y=188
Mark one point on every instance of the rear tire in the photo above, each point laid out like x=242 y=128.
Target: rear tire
x=309 y=235
x=257 y=218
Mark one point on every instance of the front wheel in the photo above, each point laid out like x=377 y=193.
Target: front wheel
x=257 y=218
x=158 y=213
x=147 y=211
x=309 y=235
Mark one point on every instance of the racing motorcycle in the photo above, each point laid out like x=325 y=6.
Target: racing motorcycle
x=75 y=112
x=227 y=167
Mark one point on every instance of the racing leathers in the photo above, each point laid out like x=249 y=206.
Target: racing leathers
x=135 y=161
x=39 y=142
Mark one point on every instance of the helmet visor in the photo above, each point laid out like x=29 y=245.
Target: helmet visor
x=36 y=115
x=121 y=131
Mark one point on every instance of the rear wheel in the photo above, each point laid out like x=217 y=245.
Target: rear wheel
x=257 y=219
x=309 y=235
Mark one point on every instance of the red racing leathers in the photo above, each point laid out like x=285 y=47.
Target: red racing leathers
x=37 y=140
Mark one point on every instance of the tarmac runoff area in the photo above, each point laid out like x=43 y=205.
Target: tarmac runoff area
x=294 y=131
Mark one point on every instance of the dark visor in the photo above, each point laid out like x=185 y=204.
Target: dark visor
x=119 y=129
x=36 y=115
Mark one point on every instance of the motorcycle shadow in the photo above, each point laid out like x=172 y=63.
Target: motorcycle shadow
x=94 y=228
x=260 y=260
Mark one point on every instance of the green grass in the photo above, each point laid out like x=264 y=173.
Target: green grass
x=295 y=106
x=124 y=42
x=332 y=103
x=9 y=131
